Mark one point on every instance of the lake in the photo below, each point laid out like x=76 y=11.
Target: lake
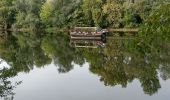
x=50 y=66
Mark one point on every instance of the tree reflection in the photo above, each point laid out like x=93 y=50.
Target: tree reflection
x=23 y=51
x=6 y=86
x=118 y=63
x=56 y=47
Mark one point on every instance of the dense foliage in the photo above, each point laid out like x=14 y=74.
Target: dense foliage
x=118 y=64
x=154 y=33
x=34 y=14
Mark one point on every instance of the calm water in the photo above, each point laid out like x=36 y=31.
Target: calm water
x=50 y=66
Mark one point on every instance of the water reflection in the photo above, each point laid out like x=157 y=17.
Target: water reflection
x=116 y=63
x=86 y=43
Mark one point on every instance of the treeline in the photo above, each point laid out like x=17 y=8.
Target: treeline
x=36 y=14
x=20 y=13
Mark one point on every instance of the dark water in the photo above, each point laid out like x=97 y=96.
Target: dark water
x=50 y=66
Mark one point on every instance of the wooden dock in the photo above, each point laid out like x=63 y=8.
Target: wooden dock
x=85 y=38
x=94 y=33
x=88 y=33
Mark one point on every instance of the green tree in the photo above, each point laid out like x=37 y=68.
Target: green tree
x=6 y=14
x=46 y=13
x=27 y=14
x=113 y=10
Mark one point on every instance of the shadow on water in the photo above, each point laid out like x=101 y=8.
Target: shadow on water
x=116 y=62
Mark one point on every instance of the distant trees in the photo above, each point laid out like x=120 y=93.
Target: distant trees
x=27 y=13
x=113 y=9
x=6 y=14
x=149 y=51
x=58 y=13
x=46 y=13
x=34 y=14
x=155 y=31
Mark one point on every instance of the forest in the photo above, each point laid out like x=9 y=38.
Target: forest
x=149 y=50
x=40 y=14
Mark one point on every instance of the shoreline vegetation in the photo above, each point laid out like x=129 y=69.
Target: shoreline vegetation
x=33 y=15
x=149 y=17
x=149 y=50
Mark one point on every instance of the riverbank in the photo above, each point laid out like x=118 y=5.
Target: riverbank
x=55 y=29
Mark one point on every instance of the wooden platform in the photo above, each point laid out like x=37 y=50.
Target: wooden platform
x=85 y=34
x=86 y=38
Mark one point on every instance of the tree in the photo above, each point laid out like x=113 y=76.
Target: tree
x=27 y=13
x=46 y=13
x=113 y=10
x=6 y=14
